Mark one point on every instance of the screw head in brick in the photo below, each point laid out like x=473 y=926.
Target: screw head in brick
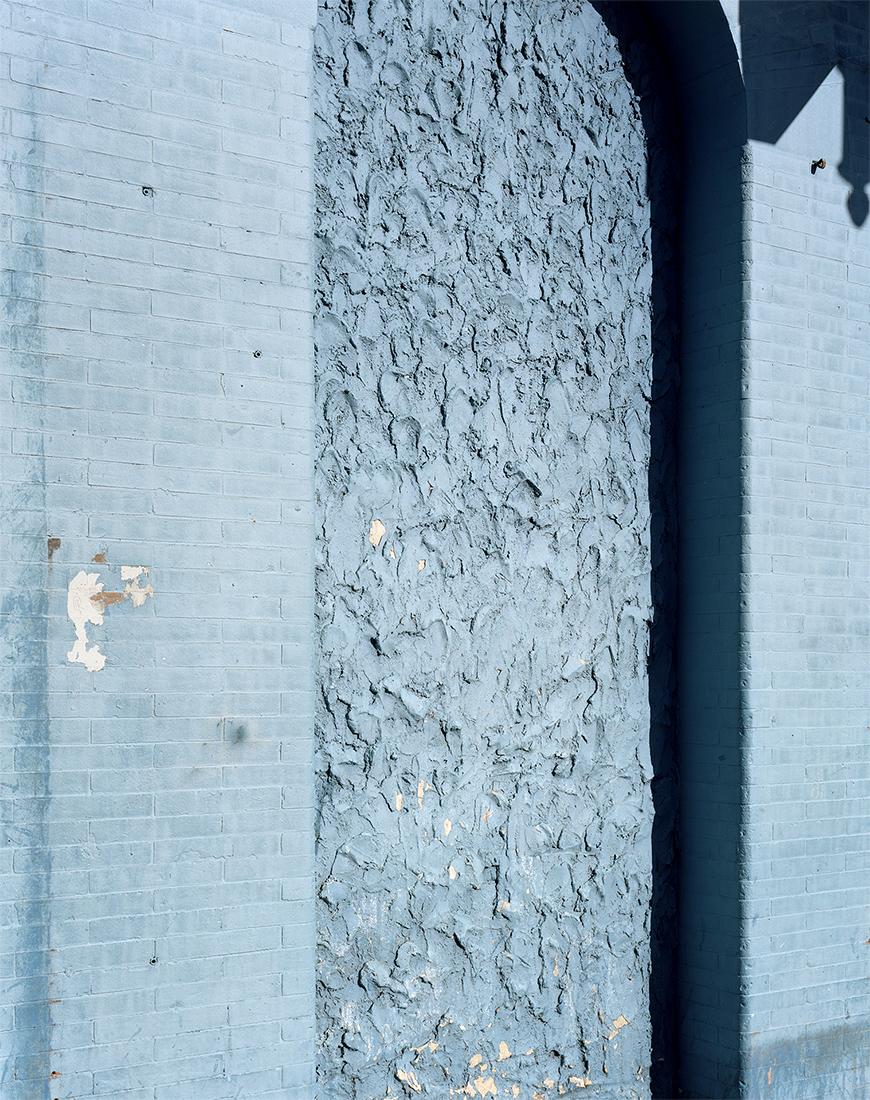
x=257 y=353
x=821 y=163
x=147 y=191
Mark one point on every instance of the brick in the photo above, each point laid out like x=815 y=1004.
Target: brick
x=116 y=336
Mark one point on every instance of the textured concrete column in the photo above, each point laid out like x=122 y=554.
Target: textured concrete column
x=155 y=363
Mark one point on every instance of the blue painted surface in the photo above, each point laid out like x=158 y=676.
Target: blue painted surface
x=128 y=425
x=155 y=389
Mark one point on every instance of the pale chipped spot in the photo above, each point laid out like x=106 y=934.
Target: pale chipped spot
x=486 y=1086
x=448 y=825
x=475 y=1060
x=556 y=969
x=549 y=1083
x=770 y=1077
x=422 y=786
x=580 y=1082
x=503 y=905
x=618 y=1024
x=399 y=802
x=452 y=872
x=432 y=1046
x=421 y=564
x=486 y=815
x=504 y=1051
x=515 y=1090
x=376 y=533
x=82 y=610
x=392 y=552
x=407 y=1077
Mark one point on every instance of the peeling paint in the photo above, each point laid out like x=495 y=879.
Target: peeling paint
x=618 y=1024
x=504 y=1051
x=132 y=573
x=407 y=1077
x=84 y=611
x=376 y=533
x=87 y=600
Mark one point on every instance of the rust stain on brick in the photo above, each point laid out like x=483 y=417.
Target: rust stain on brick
x=106 y=599
x=53 y=544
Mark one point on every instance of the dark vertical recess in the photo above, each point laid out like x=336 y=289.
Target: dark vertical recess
x=647 y=72
x=704 y=1039
x=681 y=60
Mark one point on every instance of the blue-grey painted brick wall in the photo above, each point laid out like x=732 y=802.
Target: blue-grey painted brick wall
x=157 y=928
x=807 y=548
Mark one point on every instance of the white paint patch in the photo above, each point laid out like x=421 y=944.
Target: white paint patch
x=131 y=573
x=84 y=606
x=82 y=609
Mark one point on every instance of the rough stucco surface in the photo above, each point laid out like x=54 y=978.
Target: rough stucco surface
x=484 y=376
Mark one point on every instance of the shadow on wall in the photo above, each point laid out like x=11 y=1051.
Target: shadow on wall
x=696 y=918
x=660 y=118
x=664 y=185
x=788 y=50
